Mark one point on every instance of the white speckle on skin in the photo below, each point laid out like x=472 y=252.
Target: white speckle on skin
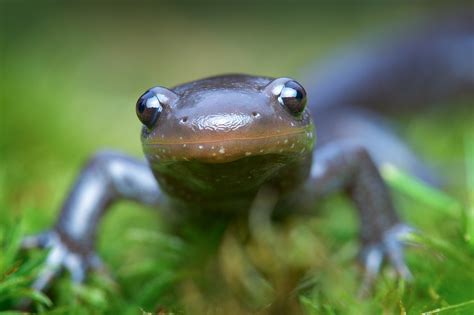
x=184 y=145
x=248 y=153
x=200 y=147
x=162 y=135
x=286 y=141
x=222 y=150
x=292 y=145
x=262 y=150
x=292 y=124
x=213 y=147
x=180 y=138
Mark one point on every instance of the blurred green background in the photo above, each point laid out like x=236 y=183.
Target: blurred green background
x=70 y=76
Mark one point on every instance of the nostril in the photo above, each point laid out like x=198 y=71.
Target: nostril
x=255 y=114
x=184 y=119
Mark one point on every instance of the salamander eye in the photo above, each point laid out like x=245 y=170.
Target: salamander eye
x=148 y=108
x=293 y=97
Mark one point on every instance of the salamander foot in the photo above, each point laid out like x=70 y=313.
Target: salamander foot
x=61 y=257
x=391 y=247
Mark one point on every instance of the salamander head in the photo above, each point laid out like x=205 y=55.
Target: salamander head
x=225 y=118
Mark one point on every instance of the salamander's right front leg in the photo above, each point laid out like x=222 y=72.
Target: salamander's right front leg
x=349 y=167
x=107 y=177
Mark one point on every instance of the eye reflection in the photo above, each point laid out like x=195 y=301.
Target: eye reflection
x=293 y=97
x=148 y=108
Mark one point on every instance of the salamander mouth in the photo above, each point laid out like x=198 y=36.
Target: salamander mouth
x=230 y=149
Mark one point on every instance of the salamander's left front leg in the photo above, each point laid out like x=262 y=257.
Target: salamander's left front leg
x=107 y=178
x=342 y=165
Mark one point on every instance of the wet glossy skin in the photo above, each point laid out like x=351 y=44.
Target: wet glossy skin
x=215 y=144
x=227 y=136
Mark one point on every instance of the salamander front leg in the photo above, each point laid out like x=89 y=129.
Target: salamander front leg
x=107 y=178
x=342 y=165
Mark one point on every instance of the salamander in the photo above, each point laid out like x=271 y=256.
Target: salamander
x=214 y=144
